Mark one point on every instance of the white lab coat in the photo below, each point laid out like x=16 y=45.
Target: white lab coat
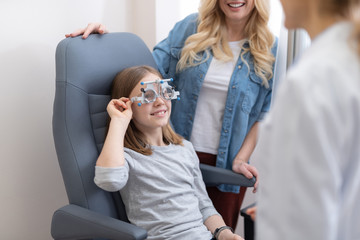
x=309 y=147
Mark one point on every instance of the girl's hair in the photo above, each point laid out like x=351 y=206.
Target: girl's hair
x=349 y=9
x=212 y=35
x=123 y=84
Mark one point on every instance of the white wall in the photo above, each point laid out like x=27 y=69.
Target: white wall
x=30 y=181
x=166 y=19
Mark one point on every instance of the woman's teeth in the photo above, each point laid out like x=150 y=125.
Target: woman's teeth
x=236 y=5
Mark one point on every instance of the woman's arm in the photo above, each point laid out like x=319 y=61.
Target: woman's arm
x=167 y=52
x=240 y=163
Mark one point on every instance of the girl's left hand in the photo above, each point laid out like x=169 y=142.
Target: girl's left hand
x=247 y=170
x=235 y=237
x=228 y=235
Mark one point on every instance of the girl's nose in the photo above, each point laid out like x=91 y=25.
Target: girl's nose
x=159 y=101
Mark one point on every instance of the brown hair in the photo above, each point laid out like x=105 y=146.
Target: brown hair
x=122 y=85
x=349 y=9
x=355 y=6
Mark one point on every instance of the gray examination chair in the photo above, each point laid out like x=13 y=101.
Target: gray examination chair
x=84 y=72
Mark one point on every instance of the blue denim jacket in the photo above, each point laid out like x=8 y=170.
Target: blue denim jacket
x=247 y=100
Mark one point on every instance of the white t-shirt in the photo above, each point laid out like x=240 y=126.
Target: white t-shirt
x=210 y=107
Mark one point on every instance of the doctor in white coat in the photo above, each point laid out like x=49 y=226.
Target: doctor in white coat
x=309 y=146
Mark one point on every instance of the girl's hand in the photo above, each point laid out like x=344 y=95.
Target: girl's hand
x=91 y=28
x=120 y=109
x=247 y=170
x=228 y=235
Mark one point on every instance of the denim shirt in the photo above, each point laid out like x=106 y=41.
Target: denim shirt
x=247 y=100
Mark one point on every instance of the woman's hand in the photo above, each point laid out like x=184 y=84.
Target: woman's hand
x=91 y=28
x=120 y=109
x=247 y=170
x=252 y=212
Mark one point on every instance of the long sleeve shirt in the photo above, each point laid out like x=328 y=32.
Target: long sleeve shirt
x=163 y=193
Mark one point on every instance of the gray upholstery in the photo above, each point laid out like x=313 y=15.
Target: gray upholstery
x=214 y=176
x=84 y=72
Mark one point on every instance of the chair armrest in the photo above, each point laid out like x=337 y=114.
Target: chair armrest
x=214 y=176
x=75 y=222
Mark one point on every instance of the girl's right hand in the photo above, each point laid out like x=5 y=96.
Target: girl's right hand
x=91 y=28
x=120 y=109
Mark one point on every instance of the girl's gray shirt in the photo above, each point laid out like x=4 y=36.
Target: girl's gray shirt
x=163 y=193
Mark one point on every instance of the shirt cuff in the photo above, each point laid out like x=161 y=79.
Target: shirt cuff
x=208 y=212
x=111 y=179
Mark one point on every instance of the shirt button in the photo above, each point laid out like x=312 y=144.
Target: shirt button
x=239 y=66
x=233 y=86
x=230 y=109
x=225 y=130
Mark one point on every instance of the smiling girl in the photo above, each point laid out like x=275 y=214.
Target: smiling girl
x=156 y=171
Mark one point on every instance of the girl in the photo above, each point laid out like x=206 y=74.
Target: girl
x=155 y=170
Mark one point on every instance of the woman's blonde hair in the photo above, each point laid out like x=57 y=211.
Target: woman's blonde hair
x=212 y=35
x=122 y=86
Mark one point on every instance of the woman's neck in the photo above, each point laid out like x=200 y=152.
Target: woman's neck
x=235 y=31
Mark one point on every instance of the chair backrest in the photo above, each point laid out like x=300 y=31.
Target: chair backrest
x=84 y=73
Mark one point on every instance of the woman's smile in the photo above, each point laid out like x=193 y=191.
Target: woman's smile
x=236 y=5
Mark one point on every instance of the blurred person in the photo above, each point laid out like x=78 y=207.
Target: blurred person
x=309 y=144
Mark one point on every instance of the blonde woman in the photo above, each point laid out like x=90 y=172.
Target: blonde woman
x=221 y=60
x=312 y=135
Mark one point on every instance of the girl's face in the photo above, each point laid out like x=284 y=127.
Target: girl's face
x=150 y=116
x=236 y=11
